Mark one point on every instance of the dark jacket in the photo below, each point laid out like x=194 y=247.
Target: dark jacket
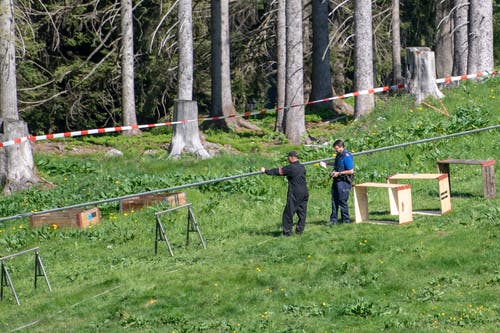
x=296 y=175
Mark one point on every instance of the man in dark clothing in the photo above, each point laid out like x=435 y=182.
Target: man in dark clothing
x=297 y=195
x=342 y=174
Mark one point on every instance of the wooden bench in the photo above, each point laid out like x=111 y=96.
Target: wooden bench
x=399 y=197
x=443 y=189
x=487 y=168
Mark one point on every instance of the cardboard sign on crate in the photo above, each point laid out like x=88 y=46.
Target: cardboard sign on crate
x=72 y=218
x=139 y=202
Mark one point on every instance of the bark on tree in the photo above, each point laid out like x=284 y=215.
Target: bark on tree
x=396 y=44
x=460 y=44
x=17 y=168
x=281 y=71
x=222 y=103
x=295 y=116
x=480 y=57
x=186 y=134
x=186 y=137
x=443 y=39
x=128 y=72
x=363 y=57
x=421 y=74
x=321 y=73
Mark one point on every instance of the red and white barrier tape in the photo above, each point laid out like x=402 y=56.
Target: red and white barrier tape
x=246 y=114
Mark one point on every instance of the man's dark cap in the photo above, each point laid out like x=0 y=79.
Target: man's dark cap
x=293 y=153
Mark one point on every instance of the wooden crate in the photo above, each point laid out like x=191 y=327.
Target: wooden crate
x=399 y=196
x=72 y=218
x=139 y=202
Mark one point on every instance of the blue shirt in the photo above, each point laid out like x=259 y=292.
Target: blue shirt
x=343 y=161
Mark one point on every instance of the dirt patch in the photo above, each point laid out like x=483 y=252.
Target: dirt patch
x=63 y=148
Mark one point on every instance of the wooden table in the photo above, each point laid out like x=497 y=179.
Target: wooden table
x=487 y=169
x=399 y=196
x=443 y=189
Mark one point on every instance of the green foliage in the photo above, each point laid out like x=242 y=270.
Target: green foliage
x=439 y=273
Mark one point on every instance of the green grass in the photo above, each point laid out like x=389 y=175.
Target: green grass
x=440 y=273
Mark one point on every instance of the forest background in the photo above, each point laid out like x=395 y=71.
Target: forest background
x=69 y=70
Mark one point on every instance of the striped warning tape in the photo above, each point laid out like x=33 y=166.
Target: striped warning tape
x=243 y=115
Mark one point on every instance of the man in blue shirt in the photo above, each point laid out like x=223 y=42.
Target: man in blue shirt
x=343 y=175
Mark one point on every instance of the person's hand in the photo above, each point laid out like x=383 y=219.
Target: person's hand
x=262 y=169
x=334 y=174
x=322 y=164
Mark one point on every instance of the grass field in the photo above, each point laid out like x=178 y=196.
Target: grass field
x=438 y=274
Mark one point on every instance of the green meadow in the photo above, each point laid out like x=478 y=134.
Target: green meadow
x=437 y=274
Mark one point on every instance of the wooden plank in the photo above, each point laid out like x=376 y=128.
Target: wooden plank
x=418 y=176
x=382 y=185
x=72 y=218
x=489 y=187
x=139 y=202
x=462 y=161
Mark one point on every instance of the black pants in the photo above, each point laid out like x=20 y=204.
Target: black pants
x=295 y=204
x=340 y=195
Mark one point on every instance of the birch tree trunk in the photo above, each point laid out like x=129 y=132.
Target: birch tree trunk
x=443 y=39
x=421 y=74
x=186 y=137
x=295 y=116
x=480 y=57
x=128 y=73
x=363 y=57
x=281 y=61
x=396 y=44
x=460 y=44
x=17 y=168
x=321 y=73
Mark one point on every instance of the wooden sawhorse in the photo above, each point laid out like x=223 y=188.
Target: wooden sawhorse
x=487 y=168
x=443 y=188
x=399 y=196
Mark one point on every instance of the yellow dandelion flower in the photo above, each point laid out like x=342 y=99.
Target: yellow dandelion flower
x=1 y=230
x=21 y=226
x=258 y=269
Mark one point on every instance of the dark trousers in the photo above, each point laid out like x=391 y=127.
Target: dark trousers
x=295 y=205
x=340 y=195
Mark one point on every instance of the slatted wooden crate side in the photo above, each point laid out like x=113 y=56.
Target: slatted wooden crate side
x=71 y=218
x=139 y=202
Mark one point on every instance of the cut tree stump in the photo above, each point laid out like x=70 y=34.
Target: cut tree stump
x=186 y=136
x=421 y=74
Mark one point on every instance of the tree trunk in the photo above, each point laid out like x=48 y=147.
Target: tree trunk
x=222 y=104
x=443 y=39
x=321 y=73
x=460 y=44
x=295 y=116
x=281 y=60
x=421 y=74
x=480 y=57
x=128 y=91
x=363 y=57
x=17 y=169
x=186 y=136
x=396 y=44
x=8 y=88
x=185 y=88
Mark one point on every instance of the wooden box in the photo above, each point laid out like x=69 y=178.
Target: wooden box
x=72 y=218
x=139 y=202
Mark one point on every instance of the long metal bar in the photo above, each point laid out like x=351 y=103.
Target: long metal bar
x=172 y=209
x=19 y=253
x=248 y=174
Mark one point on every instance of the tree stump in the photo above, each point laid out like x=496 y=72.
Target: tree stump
x=421 y=74
x=17 y=168
x=186 y=136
